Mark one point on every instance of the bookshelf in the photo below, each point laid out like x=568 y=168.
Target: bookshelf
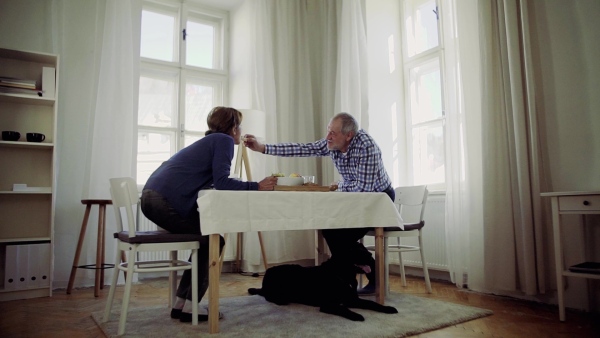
x=27 y=175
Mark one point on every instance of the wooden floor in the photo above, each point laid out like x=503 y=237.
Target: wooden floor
x=65 y=315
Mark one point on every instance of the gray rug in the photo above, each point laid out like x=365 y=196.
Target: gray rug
x=252 y=316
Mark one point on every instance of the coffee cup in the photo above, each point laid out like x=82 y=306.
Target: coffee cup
x=9 y=135
x=35 y=137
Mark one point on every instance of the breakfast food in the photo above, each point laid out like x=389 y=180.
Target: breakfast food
x=295 y=175
x=278 y=175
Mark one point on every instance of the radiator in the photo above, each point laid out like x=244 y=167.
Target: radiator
x=434 y=237
x=145 y=224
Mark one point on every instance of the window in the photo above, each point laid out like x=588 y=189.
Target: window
x=424 y=91
x=183 y=75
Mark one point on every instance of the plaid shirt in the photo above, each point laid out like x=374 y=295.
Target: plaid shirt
x=361 y=166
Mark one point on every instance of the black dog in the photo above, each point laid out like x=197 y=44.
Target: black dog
x=330 y=286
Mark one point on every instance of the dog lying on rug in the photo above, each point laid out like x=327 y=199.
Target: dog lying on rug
x=330 y=286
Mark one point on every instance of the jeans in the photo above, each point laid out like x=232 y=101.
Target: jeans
x=158 y=210
x=345 y=242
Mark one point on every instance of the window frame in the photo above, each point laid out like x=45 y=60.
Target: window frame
x=410 y=63
x=218 y=76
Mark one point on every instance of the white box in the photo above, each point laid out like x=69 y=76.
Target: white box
x=39 y=265
x=48 y=82
x=11 y=267
x=22 y=268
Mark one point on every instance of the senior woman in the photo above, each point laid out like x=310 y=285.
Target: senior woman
x=170 y=194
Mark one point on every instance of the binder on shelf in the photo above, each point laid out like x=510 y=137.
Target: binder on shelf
x=48 y=82
x=38 y=266
x=22 y=269
x=17 y=83
x=11 y=270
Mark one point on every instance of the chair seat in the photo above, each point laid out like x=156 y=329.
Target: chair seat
x=145 y=237
x=407 y=227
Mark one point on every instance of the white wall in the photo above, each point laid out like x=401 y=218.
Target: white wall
x=565 y=39
x=566 y=46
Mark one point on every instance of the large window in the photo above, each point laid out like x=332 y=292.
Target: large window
x=183 y=75
x=424 y=91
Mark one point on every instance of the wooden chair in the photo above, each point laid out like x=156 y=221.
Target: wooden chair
x=411 y=203
x=125 y=200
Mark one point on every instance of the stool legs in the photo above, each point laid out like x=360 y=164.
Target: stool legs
x=99 y=284
x=79 y=245
x=100 y=247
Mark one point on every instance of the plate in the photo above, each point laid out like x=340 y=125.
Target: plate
x=290 y=181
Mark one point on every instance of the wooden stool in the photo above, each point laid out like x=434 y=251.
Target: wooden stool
x=100 y=265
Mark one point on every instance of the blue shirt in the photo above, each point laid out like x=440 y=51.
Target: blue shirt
x=201 y=165
x=361 y=167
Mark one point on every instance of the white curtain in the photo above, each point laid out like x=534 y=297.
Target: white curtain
x=113 y=131
x=307 y=54
x=512 y=221
x=463 y=143
x=493 y=206
x=511 y=203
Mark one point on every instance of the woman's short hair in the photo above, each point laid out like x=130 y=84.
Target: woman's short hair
x=349 y=123
x=223 y=120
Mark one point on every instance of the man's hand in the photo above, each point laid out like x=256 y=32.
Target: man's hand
x=251 y=142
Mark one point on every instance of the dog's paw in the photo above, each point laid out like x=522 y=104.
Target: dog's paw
x=355 y=317
x=389 y=309
x=254 y=291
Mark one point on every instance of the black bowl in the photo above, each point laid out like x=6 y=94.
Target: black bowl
x=8 y=135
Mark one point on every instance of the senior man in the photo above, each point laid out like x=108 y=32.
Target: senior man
x=357 y=159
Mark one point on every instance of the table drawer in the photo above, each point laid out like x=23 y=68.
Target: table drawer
x=579 y=203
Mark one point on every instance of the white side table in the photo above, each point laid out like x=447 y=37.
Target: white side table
x=574 y=202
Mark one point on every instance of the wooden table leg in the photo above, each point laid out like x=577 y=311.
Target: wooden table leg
x=214 y=275
x=86 y=216
x=379 y=267
x=262 y=250
x=558 y=259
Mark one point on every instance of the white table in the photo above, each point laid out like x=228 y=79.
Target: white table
x=574 y=202
x=244 y=211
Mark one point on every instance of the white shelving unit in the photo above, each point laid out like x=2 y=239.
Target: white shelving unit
x=27 y=216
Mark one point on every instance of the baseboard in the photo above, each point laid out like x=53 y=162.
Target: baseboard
x=418 y=272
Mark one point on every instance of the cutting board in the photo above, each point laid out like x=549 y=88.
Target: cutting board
x=301 y=188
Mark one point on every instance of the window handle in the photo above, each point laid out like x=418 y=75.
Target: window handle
x=184 y=34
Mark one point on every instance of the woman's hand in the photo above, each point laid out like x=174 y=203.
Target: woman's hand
x=251 y=142
x=268 y=183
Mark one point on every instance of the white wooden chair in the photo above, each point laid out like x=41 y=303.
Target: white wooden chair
x=411 y=203
x=125 y=200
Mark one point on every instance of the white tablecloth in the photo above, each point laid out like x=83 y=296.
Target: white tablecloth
x=224 y=211
x=243 y=211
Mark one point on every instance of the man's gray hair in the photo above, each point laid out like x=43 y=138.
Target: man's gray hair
x=349 y=123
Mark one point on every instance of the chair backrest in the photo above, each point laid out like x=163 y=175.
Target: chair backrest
x=411 y=202
x=124 y=194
